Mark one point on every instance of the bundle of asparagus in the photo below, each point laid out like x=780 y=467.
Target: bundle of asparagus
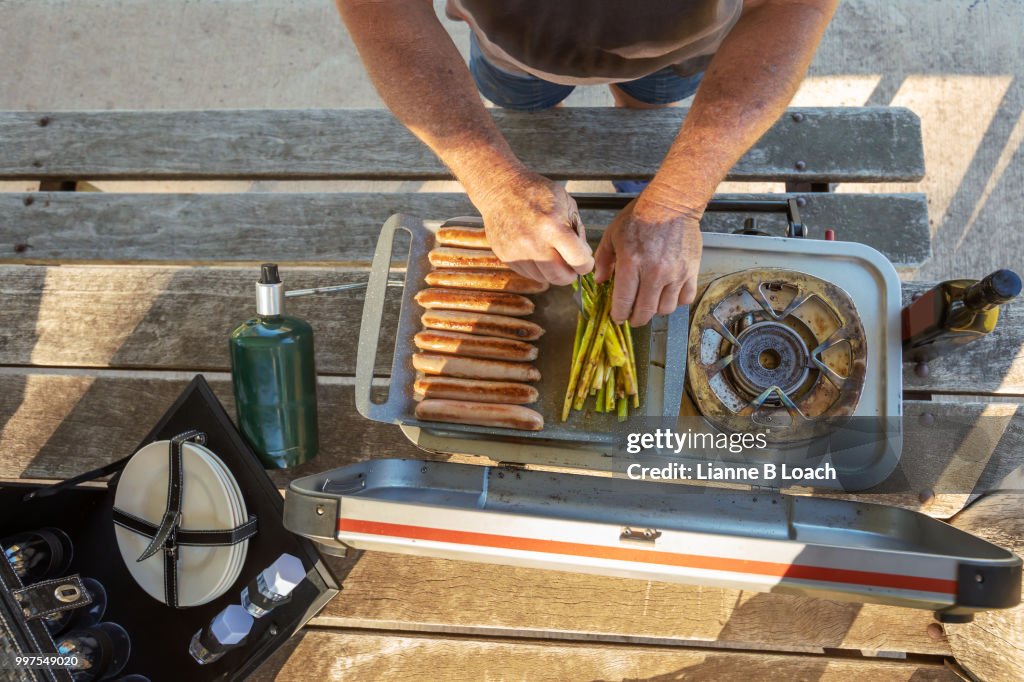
x=603 y=362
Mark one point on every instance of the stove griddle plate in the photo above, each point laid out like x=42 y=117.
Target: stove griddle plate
x=660 y=355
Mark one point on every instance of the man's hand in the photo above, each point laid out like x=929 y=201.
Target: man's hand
x=530 y=223
x=654 y=249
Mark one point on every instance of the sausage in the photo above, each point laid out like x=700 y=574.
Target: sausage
x=480 y=414
x=465 y=237
x=448 y=257
x=497 y=302
x=506 y=392
x=474 y=346
x=489 y=280
x=482 y=323
x=473 y=368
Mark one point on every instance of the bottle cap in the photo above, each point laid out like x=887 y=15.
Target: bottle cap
x=284 y=574
x=1005 y=284
x=231 y=625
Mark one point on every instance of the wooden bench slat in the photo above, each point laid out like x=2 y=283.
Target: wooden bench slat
x=864 y=144
x=176 y=318
x=56 y=425
x=125 y=317
x=98 y=226
x=59 y=425
x=354 y=655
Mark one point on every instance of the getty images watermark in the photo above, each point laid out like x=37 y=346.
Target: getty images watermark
x=670 y=442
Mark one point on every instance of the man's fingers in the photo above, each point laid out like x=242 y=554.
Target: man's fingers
x=574 y=251
x=688 y=292
x=645 y=306
x=527 y=268
x=669 y=299
x=555 y=270
x=627 y=279
x=603 y=261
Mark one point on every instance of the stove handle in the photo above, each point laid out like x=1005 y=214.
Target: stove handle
x=373 y=314
x=795 y=227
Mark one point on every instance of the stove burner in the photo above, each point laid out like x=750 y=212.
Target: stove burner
x=775 y=348
x=769 y=354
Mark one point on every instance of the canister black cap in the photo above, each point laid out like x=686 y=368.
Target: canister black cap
x=269 y=274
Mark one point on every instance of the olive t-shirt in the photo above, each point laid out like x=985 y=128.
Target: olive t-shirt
x=580 y=42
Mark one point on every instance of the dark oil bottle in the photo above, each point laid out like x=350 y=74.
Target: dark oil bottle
x=955 y=313
x=274 y=378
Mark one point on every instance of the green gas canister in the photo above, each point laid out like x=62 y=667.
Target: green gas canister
x=273 y=373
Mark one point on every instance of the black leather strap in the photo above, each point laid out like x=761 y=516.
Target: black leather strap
x=53 y=489
x=197 y=538
x=49 y=597
x=168 y=535
x=56 y=548
x=175 y=482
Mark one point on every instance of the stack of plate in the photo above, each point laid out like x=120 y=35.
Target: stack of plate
x=211 y=500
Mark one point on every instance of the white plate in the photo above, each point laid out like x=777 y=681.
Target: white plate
x=217 y=466
x=206 y=504
x=241 y=516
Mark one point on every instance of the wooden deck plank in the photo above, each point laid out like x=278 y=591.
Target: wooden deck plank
x=861 y=144
x=348 y=655
x=424 y=594
x=343 y=228
x=135 y=318
x=55 y=424
x=992 y=646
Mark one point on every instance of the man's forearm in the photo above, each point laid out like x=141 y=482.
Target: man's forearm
x=747 y=86
x=424 y=81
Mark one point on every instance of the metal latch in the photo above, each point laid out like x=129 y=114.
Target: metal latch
x=639 y=535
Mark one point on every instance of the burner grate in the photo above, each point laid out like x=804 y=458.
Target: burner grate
x=775 y=348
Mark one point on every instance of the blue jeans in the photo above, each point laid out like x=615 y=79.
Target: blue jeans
x=528 y=93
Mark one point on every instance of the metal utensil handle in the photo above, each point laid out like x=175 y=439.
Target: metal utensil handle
x=337 y=288
x=677 y=340
x=789 y=206
x=373 y=313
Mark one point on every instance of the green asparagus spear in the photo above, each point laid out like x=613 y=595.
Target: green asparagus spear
x=595 y=352
x=616 y=357
x=580 y=326
x=609 y=389
x=578 y=359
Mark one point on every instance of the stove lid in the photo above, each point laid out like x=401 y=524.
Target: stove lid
x=660 y=531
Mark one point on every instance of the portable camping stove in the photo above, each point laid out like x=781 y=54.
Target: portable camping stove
x=793 y=336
